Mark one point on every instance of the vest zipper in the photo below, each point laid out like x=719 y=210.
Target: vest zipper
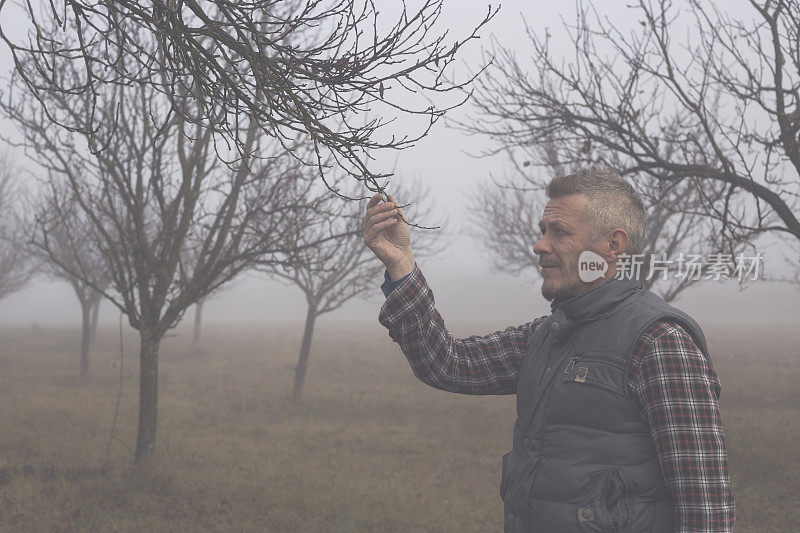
x=604 y=503
x=624 y=500
x=628 y=522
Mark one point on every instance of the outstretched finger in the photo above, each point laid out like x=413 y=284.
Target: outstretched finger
x=374 y=218
x=375 y=229
x=374 y=200
x=379 y=208
x=400 y=211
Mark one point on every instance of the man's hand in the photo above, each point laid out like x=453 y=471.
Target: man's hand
x=388 y=236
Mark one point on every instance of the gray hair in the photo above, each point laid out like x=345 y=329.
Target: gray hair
x=613 y=202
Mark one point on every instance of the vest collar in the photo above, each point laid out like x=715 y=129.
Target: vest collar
x=568 y=314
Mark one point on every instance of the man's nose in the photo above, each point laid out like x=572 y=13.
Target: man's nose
x=541 y=246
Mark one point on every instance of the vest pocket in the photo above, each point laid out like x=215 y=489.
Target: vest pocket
x=606 y=503
x=606 y=372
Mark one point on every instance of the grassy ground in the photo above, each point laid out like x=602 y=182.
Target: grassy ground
x=368 y=449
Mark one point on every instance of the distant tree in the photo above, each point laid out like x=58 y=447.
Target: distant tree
x=67 y=251
x=16 y=267
x=291 y=66
x=506 y=217
x=199 y=307
x=198 y=320
x=95 y=316
x=690 y=97
x=154 y=192
x=338 y=270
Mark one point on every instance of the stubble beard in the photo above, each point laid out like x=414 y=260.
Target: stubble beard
x=548 y=291
x=553 y=290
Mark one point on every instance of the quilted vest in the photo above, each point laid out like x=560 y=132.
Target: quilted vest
x=582 y=458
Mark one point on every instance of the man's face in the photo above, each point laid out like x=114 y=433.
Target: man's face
x=565 y=234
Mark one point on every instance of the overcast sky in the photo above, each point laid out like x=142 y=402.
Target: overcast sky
x=463 y=282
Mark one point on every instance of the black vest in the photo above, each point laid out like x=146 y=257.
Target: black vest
x=582 y=458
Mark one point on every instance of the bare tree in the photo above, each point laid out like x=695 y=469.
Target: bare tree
x=95 y=316
x=199 y=307
x=198 y=320
x=199 y=304
x=718 y=111
x=338 y=270
x=70 y=249
x=291 y=66
x=506 y=218
x=16 y=267
x=154 y=192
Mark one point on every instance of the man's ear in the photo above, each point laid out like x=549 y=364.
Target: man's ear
x=617 y=243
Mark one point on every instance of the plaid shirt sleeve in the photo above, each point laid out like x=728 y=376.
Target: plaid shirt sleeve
x=676 y=390
x=474 y=365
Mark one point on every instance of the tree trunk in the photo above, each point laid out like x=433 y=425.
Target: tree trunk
x=86 y=333
x=95 y=316
x=305 y=349
x=198 y=321
x=148 y=407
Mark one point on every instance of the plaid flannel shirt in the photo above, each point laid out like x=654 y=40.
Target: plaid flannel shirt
x=674 y=387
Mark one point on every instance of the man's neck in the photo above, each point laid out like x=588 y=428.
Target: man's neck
x=586 y=287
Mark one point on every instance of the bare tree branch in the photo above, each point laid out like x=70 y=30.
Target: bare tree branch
x=171 y=223
x=507 y=216
x=69 y=242
x=720 y=110
x=16 y=266
x=319 y=68
x=341 y=269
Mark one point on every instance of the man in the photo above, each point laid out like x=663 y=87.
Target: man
x=618 y=425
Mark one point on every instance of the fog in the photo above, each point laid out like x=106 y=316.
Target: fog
x=375 y=445
x=464 y=283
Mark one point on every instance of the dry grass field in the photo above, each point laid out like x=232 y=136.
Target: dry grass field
x=368 y=449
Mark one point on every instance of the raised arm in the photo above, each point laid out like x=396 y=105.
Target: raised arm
x=473 y=365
